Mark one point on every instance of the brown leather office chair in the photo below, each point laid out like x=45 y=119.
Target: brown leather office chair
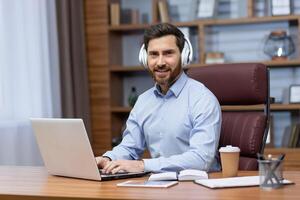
x=240 y=84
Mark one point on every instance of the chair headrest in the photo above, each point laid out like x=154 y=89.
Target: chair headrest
x=235 y=84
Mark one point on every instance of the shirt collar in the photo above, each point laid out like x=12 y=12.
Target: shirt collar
x=176 y=88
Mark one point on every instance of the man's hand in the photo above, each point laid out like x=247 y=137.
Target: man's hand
x=102 y=161
x=124 y=165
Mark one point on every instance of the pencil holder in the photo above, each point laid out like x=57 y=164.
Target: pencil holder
x=270 y=173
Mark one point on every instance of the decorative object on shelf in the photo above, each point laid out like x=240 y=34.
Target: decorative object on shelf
x=286 y=136
x=238 y=9
x=294 y=94
x=262 y=8
x=284 y=97
x=115 y=14
x=133 y=96
x=214 y=58
x=130 y=16
x=279 y=45
x=182 y=11
x=294 y=141
x=163 y=11
x=206 y=8
x=281 y=7
x=290 y=136
x=125 y=16
x=145 y=18
x=135 y=16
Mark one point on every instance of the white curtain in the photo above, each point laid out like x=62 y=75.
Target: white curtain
x=29 y=78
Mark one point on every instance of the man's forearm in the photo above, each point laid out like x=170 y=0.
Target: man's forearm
x=187 y=160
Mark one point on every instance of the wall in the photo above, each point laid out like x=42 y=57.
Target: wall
x=97 y=58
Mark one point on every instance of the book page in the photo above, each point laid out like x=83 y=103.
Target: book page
x=184 y=175
x=156 y=184
x=163 y=176
x=192 y=174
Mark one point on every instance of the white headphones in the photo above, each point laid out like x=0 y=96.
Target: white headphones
x=186 y=54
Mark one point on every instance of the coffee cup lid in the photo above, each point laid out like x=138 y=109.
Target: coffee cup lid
x=229 y=148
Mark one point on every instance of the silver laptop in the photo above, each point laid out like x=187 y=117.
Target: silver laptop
x=66 y=150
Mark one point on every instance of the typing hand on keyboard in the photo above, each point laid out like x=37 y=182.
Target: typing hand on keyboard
x=124 y=165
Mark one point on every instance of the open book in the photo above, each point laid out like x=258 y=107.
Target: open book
x=184 y=175
x=153 y=184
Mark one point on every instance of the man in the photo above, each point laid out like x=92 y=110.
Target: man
x=178 y=120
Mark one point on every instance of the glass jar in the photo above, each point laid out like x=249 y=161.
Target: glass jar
x=279 y=45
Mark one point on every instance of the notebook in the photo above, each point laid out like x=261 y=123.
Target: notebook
x=66 y=150
x=244 y=181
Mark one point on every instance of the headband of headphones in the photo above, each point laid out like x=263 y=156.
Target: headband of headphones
x=186 y=54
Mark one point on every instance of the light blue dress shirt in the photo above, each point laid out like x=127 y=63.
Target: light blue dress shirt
x=180 y=129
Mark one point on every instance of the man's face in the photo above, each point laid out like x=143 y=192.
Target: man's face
x=164 y=60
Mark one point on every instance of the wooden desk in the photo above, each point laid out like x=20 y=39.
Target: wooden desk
x=31 y=183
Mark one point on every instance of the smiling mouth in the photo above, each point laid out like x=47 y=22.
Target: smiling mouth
x=162 y=69
x=162 y=72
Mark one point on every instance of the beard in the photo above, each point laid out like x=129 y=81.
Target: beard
x=165 y=75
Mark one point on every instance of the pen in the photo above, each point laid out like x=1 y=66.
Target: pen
x=271 y=171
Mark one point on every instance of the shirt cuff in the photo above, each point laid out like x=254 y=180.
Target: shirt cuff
x=151 y=165
x=110 y=155
x=107 y=158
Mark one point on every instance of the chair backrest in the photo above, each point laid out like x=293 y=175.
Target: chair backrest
x=240 y=84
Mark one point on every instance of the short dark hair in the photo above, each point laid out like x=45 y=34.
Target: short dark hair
x=163 y=29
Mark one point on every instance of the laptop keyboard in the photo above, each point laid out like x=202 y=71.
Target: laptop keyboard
x=120 y=175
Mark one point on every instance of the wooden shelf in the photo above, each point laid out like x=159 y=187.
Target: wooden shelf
x=134 y=27
x=188 y=24
x=274 y=107
x=281 y=64
x=211 y=22
x=250 y=20
x=285 y=107
x=270 y=64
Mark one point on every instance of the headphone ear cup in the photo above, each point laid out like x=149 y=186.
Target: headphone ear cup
x=143 y=56
x=187 y=53
x=184 y=55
